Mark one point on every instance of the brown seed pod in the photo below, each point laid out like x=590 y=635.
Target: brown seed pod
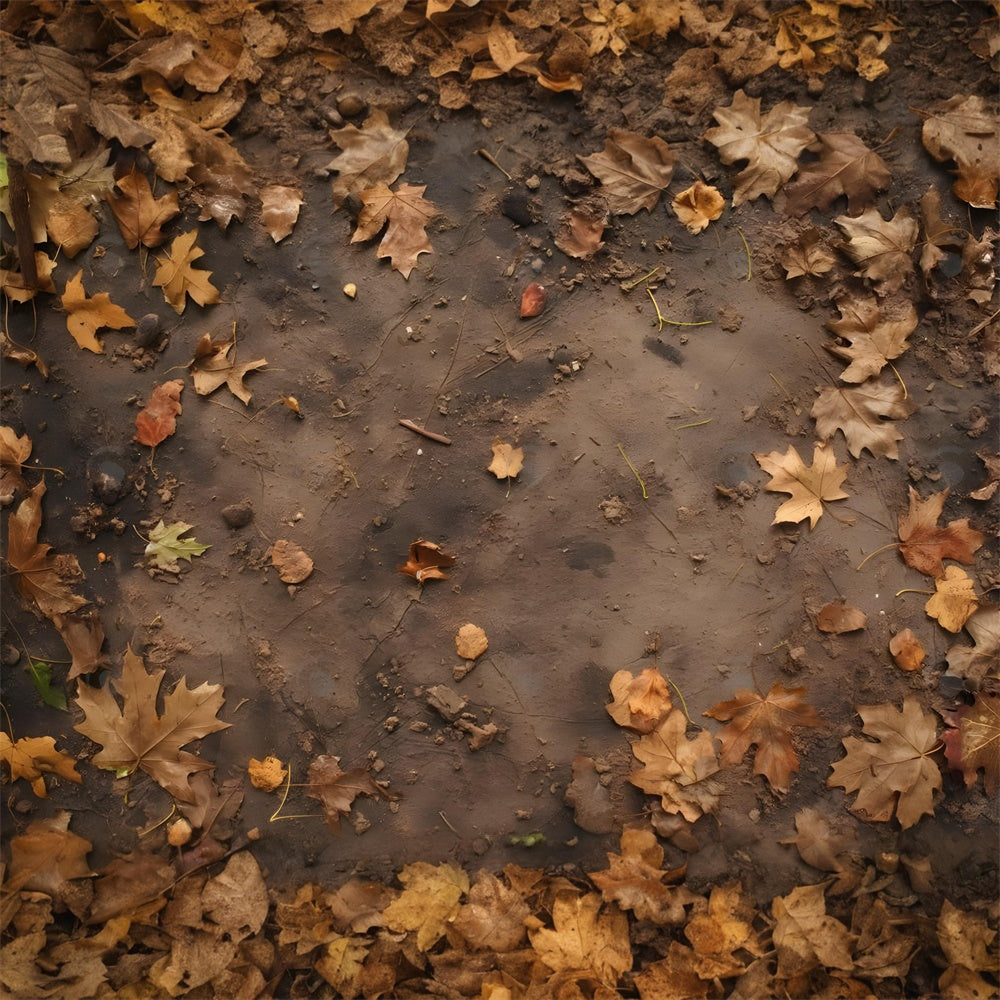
x=533 y=300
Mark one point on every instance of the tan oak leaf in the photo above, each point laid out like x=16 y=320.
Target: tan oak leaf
x=634 y=170
x=770 y=143
x=865 y=415
x=140 y=215
x=881 y=247
x=407 y=213
x=134 y=735
x=809 y=486
x=924 y=544
x=892 y=771
x=873 y=335
x=85 y=316
x=180 y=279
x=212 y=367
x=371 y=156
x=954 y=600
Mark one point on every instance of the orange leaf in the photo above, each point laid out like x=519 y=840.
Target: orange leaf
x=139 y=215
x=425 y=561
x=85 y=316
x=906 y=650
x=159 y=419
x=925 y=544
x=838 y=617
x=641 y=702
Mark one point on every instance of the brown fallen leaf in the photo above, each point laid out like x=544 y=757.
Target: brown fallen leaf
x=874 y=335
x=674 y=977
x=805 y=937
x=973 y=743
x=32 y=757
x=471 y=642
x=808 y=255
x=267 y=774
x=372 y=155
x=337 y=789
x=906 y=650
x=18 y=289
x=429 y=901
x=425 y=561
x=291 y=561
x=726 y=928
x=211 y=367
x=865 y=414
x=809 y=486
x=881 y=247
x=177 y=276
x=14 y=452
x=893 y=772
x=989 y=488
x=964 y=129
x=837 y=618
x=818 y=843
x=83 y=634
x=640 y=702
x=580 y=232
x=493 y=918
x=770 y=143
x=85 y=316
x=47 y=857
x=698 y=205
x=954 y=601
x=924 y=544
x=634 y=170
x=966 y=940
x=134 y=736
x=42 y=579
x=847 y=167
x=141 y=216
x=938 y=235
x=407 y=213
x=766 y=722
x=158 y=420
x=280 y=209
x=507 y=460
x=981 y=662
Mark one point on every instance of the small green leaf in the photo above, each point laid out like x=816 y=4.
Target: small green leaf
x=166 y=546
x=41 y=676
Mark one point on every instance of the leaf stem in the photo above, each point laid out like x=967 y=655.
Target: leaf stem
x=639 y=281
x=645 y=495
x=882 y=548
x=746 y=246
x=659 y=315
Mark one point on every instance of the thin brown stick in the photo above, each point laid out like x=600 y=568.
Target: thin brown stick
x=430 y=435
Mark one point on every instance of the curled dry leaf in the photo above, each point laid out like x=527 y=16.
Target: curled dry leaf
x=141 y=216
x=580 y=233
x=924 y=544
x=906 y=650
x=838 y=617
x=634 y=170
x=177 y=276
x=471 y=642
x=980 y=662
x=809 y=486
x=640 y=702
x=158 y=420
x=881 y=247
x=32 y=757
x=291 y=561
x=533 y=300
x=808 y=255
x=212 y=367
x=85 y=316
x=427 y=561
x=954 y=601
x=818 y=844
x=507 y=460
x=267 y=774
x=279 y=212
x=698 y=205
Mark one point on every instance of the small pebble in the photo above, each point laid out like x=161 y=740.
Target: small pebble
x=147 y=330
x=238 y=515
x=351 y=104
x=11 y=654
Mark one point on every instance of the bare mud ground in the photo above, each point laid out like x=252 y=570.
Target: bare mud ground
x=574 y=570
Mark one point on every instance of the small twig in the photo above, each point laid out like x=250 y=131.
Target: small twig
x=697 y=423
x=891 y=545
x=737 y=573
x=447 y=824
x=746 y=246
x=635 y=472
x=423 y=432
x=906 y=394
x=909 y=590
x=774 y=378
x=659 y=316
x=490 y=158
x=639 y=281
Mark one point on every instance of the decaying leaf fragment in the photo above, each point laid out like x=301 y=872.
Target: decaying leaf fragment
x=212 y=367
x=973 y=743
x=809 y=486
x=429 y=901
x=32 y=757
x=291 y=561
x=805 y=937
x=372 y=155
x=874 y=335
x=907 y=650
x=954 y=601
x=166 y=546
x=426 y=561
x=337 y=789
x=179 y=279
x=14 y=452
x=982 y=661
x=808 y=255
x=507 y=460
x=85 y=316
x=471 y=642
x=279 y=211
x=925 y=544
x=726 y=928
x=634 y=170
x=767 y=723
x=837 y=618
x=865 y=414
x=698 y=205
x=640 y=702
x=133 y=735
x=580 y=232
x=407 y=213
x=894 y=774
x=817 y=842
x=967 y=941
x=881 y=247
x=158 y=420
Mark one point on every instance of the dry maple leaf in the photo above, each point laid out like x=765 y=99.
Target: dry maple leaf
x=158 y=419
x=141 y=216
x=212 y=367
x=43 y=579
x=407 y=212
x=429 y=901
x=924 y=544
x=846 y=167
x=634 y=170
x=895 y=773
x=371 y=156
x=640 y=702
x=881 y=247
x=425 y=561
x=279 y=211
x=808 y=255
x=804 y=937
x=982 y=661
x=954 y=600
x=906 y=650
x=337 y=789
x=677 y=769
x=14 y=452
x=635 y=880
x=507 y=460
x=85 y=316
x=964 y=129
x=874 y=335
x=493 y=917
x=133 y=735
x=291 y=561
x=580 y=232
x=698 y=205
x=726 y=927
x=837 y=618
x=32 y=757
x=177 y=276
x=865 y=415
x=770 y=143
x=583 y=940
x=973 y=742
x=767 y=723
x=809 y=486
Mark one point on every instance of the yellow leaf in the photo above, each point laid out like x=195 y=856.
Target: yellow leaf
x=85 y=316
x=955 y=600
x=507 y=460
x=698 y=205
x=33 y=756
x=429 y=903
x=178 y=278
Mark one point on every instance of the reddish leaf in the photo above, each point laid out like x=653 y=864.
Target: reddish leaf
x=159 y=419
x=337 y=789
x=425 y=561
x=925 y=544
x=974 y=742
